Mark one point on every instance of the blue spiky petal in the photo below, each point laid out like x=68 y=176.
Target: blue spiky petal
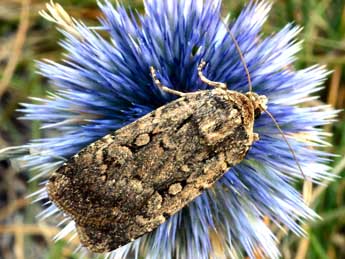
x=103 y=85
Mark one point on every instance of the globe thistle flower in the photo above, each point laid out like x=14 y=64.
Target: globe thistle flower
x=105 y=84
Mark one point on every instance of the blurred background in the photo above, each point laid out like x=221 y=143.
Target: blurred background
x=25 y=37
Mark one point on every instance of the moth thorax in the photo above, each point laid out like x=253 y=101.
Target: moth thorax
x=259 y=102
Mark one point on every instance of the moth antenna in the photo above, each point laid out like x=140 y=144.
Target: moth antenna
x=287 y=142
x=250 y=85
x=238 y=48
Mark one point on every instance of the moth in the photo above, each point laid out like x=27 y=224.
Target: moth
x=129 y=182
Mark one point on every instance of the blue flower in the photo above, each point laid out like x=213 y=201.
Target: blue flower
x=104 y=84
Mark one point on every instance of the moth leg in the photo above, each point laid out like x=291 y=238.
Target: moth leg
x=161 y=86
x=207 y=81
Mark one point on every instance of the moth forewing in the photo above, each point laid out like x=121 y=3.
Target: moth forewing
x=129 y=182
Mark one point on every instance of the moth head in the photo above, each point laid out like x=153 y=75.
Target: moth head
x=259 y=102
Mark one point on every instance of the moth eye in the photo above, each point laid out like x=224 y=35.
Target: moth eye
x=257 y=113
x=166 y=215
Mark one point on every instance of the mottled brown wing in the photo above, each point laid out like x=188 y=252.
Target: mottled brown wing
x=129 y=182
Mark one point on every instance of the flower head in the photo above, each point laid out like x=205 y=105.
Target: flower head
x=105 y=84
